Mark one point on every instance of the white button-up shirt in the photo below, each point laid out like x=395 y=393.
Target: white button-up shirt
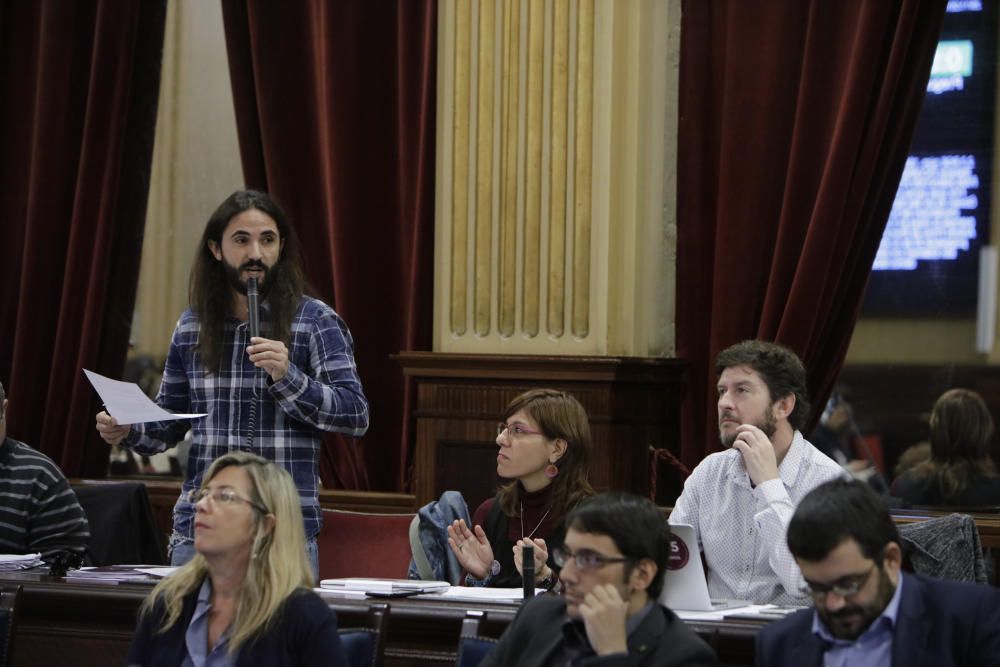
x=741 y=529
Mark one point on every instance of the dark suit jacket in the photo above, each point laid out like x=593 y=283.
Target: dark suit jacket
x=305 y=634
x=940 y=624
x=661 y=640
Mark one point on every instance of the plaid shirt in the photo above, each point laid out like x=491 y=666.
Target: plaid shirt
x=320 y=392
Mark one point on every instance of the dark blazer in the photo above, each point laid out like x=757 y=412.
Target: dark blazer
x=661 y=640
x=304 y=634
x=940 y=624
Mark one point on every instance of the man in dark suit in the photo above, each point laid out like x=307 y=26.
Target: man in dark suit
x=867 y=613
x=611 y=569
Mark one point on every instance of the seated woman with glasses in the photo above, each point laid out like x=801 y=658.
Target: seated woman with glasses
x=545 y=445
x=245 y=598
x=960 y=472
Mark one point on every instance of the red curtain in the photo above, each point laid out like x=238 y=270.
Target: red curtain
x=79 y=81
x=795 y=120
x=335 y=115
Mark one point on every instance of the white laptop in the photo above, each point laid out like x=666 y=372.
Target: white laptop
x=684 y=586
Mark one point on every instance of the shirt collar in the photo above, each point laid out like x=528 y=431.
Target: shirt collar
x=203 y=603
x=885 y=622
x=632 y=622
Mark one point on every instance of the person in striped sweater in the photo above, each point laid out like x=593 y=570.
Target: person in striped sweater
x=39 y=512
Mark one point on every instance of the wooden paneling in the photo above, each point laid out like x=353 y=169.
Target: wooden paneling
x=633 y=405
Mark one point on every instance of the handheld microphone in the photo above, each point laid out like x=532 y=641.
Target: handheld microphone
x=528 y=570
x=253 y=307
x=253 y=324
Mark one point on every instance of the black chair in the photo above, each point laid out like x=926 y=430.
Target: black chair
x=472 y=648
x=8 y=619
x=122 y=527
x=365 y=645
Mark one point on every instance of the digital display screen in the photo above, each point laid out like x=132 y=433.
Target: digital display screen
x=928 y=260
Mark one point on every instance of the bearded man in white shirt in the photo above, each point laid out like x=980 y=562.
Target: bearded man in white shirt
x=741 y=500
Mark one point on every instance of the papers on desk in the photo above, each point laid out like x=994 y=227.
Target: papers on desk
x=127 y=403
x=384 y=586
x=117 y=573
x=428 y=590
x=767 y=612
x=16 y=562
x=753 y=612
x=716 y=615
x=482 y=594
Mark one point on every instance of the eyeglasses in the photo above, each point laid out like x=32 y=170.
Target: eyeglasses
x=222 y=498
x=585 y=559
x=844 y=587
x=515 y=430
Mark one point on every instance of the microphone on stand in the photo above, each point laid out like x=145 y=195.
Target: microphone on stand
x=528 y=570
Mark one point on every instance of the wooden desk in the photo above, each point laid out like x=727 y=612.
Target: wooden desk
x=89 y=624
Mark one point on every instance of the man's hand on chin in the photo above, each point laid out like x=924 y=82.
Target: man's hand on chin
x=758 y=454
x=604 y=612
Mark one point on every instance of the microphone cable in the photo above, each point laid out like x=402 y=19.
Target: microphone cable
x=253 y=329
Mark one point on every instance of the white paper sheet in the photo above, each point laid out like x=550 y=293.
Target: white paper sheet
x=719 y=615
x=480 y=594
x=127 y=403
x=384 y=585
x=15 y=562
x=157 y=571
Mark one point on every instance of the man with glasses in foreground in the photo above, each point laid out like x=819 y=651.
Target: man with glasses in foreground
x=867 y=613
x=612 y=565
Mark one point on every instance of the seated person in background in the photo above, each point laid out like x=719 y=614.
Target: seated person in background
x=741 y=500
x=39 y=512
x=960 y=472
x=911 y=457
x=545 y=449
x=245 y=598
x=866 y=611
x=837 y=435
x=613 y=564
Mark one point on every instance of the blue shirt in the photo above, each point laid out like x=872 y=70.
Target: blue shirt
x=320 y=392
x=872 y=649
x=196 y=636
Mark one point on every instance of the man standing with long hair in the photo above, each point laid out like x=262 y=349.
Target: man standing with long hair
x=271 y=394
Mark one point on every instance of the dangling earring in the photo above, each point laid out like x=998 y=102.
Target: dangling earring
x=551 y=470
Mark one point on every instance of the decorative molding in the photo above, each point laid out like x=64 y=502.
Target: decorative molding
x=556 y=144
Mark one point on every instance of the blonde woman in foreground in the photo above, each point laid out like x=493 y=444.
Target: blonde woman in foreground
x=245 y=598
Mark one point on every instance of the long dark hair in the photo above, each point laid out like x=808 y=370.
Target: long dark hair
x=961 y=431
x=558 y=415
x=208 y=290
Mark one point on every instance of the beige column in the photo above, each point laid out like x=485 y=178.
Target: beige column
x=556 y=152
x=196 y=164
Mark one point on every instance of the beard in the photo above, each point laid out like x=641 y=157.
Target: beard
x=850 y=621
x=766 y=423
x=240 y=285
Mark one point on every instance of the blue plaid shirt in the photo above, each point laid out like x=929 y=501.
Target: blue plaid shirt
x=320 y=392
